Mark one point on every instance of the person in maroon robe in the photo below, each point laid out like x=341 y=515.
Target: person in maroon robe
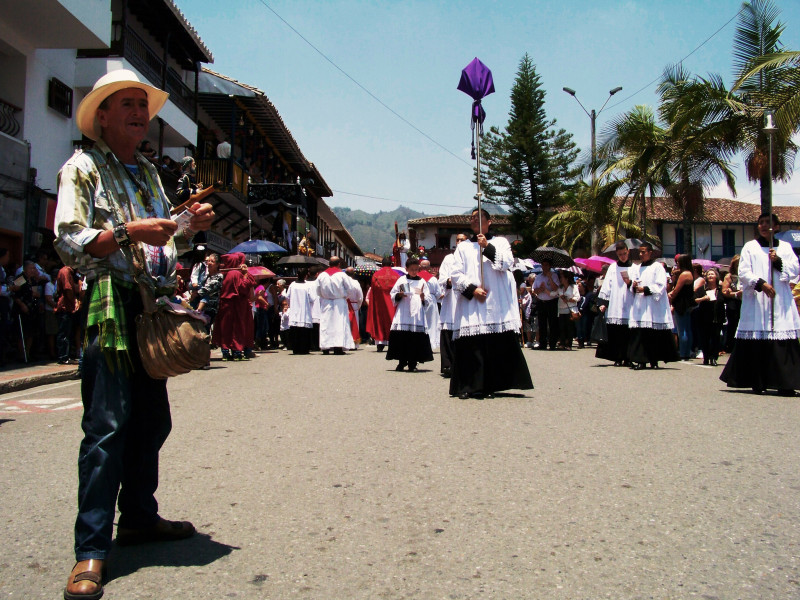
x=380 y=310
x=233 y=327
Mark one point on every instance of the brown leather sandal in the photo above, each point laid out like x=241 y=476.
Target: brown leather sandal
x=91 y=571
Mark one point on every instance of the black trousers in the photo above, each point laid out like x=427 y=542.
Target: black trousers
x=548 y=323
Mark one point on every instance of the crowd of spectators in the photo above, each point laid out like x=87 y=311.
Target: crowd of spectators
x=705 y=307
x=41 y=309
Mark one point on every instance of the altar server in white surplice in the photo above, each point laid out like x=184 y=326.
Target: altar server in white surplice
x=650 y=322
x=301 y=323
x=766 y=354
x=487 y=354
x=432 y=309
x=447 y=310
x=408 y=339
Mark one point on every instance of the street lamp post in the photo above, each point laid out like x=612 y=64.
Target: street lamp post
x=593 y=118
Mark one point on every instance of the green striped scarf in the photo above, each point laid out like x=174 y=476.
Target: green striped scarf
x=108 y=315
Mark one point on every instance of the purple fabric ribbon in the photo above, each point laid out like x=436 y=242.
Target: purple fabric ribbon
x=476 y=81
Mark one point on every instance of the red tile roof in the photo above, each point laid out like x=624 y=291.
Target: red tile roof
x=719 y=210
x=456 y=220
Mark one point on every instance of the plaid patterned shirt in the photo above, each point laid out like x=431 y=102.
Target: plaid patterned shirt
x=210 y=291
x=86 y=208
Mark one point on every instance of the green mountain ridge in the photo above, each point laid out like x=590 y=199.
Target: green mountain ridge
x=374 y=232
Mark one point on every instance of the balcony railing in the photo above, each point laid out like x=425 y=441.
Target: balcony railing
x=128 y=44
x=8 y=118
x=215 y=172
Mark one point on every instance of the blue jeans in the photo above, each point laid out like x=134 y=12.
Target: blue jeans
x=683 y=324
x=126 y=419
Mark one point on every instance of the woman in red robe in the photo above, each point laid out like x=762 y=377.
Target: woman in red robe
x=233 y=327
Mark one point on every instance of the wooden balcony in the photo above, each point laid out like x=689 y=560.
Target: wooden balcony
x=128 y=44
x=216 y=172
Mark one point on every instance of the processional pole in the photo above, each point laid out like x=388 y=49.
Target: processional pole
x=479 y=195
x=476 y=81
x=770 y=129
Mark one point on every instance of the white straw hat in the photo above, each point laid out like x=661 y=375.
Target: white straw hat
x=121 y=79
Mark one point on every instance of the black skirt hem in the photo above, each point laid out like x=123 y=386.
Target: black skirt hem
x=616 y=348
x=409 y=347
x=763 y=365
x=651 y=346
x=488 y=363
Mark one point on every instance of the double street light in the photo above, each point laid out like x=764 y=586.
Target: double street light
x=593 y=117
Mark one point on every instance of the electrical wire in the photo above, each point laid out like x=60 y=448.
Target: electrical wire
x=402 y=202
x=640 y=90
x=369 y=93
x=428 y=137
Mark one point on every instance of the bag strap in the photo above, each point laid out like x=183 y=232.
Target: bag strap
x=134 y=253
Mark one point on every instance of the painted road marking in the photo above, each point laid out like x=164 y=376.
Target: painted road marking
x=38 y=405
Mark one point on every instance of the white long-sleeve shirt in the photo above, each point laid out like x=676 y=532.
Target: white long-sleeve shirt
x=572 y=294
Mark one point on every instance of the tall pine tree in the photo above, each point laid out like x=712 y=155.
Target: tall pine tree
x=530 y=164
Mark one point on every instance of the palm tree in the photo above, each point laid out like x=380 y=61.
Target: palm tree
x=681 y=151
x=786 y=100
x=767 y=79
x=701 y=145
x=589 y=218
x=637 y=146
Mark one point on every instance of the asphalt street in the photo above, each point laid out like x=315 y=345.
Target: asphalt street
x=335 y=477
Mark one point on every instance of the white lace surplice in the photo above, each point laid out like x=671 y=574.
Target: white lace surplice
x=618 y=295
x=500 y=311
x=448 y=297
x=409 y=314
x=652 y=311
x=300 y=304
x=755 y=319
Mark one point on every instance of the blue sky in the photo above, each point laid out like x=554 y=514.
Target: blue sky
x=410 y=55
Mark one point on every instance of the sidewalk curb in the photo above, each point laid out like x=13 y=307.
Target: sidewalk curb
x=24 y=383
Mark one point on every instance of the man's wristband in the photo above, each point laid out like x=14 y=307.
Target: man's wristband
x=121 y=235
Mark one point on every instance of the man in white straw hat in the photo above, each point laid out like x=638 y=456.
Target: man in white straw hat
x=109 y=198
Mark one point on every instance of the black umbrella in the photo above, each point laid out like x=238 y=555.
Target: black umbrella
x=558 y=258
x=301 y=260
x=631 y=243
